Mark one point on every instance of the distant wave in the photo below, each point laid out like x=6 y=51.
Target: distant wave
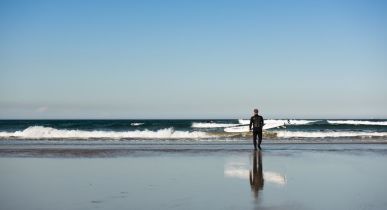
x=212 y=125
x=357 y=122
x=326 y=134
x=136 y=124
x=41 y=132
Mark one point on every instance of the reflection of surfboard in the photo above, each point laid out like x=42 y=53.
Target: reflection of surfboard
x=242 y=173
x=245 y=128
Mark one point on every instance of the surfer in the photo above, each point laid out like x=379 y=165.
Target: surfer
x=256 y=122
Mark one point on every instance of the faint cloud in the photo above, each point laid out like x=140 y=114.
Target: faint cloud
x=42 y=109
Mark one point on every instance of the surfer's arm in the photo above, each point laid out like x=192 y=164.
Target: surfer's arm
x=251 y=123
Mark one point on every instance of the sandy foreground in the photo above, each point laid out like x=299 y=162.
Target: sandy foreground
x=282 y=176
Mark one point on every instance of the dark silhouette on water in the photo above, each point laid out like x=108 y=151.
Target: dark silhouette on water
x=256 y=175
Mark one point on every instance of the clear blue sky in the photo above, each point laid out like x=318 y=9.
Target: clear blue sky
x=193 y=59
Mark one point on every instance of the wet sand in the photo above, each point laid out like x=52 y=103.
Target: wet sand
x=317 y=176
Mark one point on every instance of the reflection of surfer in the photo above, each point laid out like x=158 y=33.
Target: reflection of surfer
x=256 y=175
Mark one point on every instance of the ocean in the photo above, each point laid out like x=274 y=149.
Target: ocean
x=202 y=131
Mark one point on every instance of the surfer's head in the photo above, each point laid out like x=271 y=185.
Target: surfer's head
x=255 y=111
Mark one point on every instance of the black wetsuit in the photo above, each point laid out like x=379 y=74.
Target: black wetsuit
x=256 y=122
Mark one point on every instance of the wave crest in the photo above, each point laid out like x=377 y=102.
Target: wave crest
x=327 y=134
x=41 y=132
x=357 y=122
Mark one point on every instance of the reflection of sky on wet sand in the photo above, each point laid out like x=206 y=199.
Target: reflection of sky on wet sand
x=314 y=180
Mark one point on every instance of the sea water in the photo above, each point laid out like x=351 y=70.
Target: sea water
x=206 y=130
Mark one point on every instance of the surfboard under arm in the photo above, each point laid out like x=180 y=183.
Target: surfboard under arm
x=245 y=127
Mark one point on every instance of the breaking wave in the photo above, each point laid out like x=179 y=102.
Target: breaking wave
x=357 y=122
x=221 y=131
x=326 y=134
x=41 y=132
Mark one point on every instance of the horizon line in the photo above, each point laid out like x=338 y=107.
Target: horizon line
x=362 y=118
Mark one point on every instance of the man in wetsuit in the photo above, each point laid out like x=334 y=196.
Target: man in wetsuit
x=256 y=122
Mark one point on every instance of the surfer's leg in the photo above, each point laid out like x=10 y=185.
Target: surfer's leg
x=259 y=138
x=255 y=133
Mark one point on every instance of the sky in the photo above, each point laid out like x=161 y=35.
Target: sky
x=192 y=59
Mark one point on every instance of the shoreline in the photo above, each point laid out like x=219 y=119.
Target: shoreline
x=135 y=150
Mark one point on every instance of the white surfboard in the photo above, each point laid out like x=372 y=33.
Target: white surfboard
x=245 y=128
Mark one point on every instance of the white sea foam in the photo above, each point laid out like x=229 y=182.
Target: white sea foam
x=325 y=134
x=136 y=124
x=357 y=122
x=38 y=132
x=211 y=125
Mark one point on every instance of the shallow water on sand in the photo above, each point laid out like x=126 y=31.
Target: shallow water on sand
x=342 y=176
